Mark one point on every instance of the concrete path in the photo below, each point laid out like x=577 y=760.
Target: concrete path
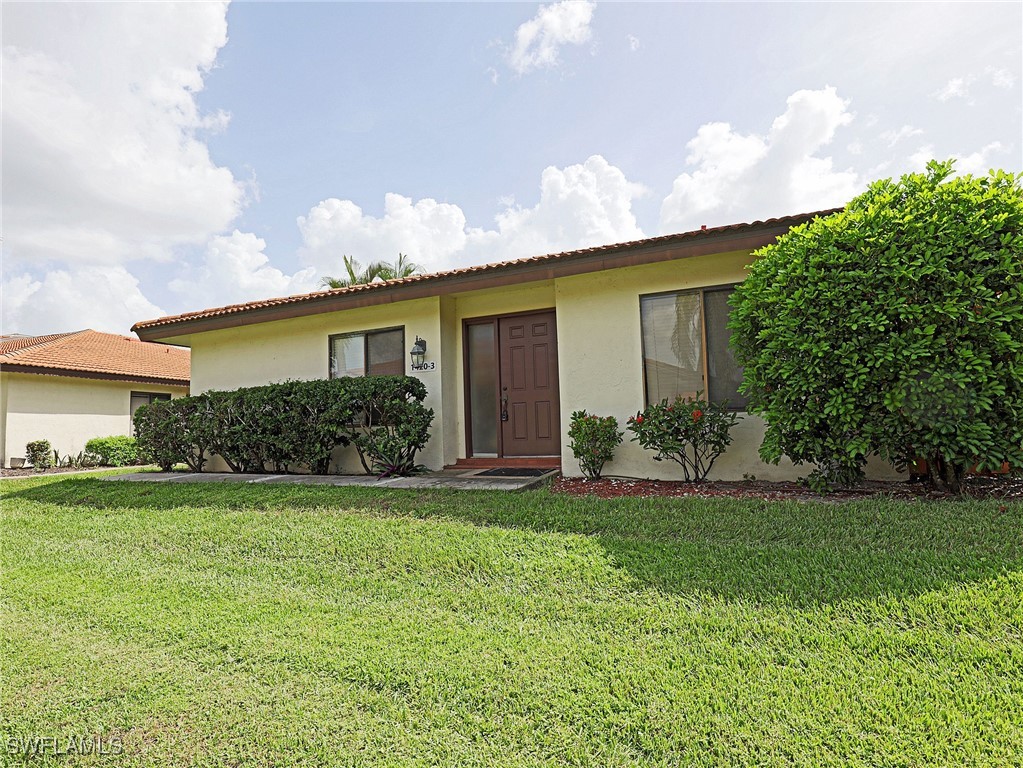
x=458 y=479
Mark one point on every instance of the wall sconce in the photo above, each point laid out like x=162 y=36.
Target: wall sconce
x=418 y=354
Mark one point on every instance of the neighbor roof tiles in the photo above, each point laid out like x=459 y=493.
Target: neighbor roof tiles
x=93 y=354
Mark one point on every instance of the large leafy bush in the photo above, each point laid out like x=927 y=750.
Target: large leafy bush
x=159 y=436
x=894 y=326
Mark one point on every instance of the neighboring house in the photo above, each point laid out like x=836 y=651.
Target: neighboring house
x=71 y=387
x=513 y=348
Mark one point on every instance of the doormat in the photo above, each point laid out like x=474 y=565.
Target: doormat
x=513 y=472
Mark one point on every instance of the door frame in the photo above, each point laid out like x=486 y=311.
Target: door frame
x=466 y=372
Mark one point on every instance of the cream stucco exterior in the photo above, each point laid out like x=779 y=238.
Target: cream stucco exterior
x=68 y=411
x=598 y=309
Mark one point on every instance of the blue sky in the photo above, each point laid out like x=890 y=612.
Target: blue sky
x=162 y=158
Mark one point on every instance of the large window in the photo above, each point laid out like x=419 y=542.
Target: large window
x=685 y=346
x=369 y=353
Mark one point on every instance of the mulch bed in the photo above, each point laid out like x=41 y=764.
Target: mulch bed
x=29 y=472
x=999 y=488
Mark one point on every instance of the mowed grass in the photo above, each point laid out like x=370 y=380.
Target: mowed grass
x=225 y=625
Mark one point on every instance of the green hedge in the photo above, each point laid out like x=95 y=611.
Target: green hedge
x=291 y=426
x=114 y=451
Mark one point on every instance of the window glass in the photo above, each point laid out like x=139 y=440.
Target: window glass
x=724 y=373
x=483 y=388
x=672 y=345
x=685 y=347
x=374 y=353
x=385 y=353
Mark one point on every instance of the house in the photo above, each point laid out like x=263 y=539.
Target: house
x=513 y=348
x=71 y=387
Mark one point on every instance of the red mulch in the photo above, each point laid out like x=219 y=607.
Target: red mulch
x=999 y=488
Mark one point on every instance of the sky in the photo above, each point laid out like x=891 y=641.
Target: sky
x=161 y=158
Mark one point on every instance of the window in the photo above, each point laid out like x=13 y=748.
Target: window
x=685 y=346
x=138 y=399
x=369 y=353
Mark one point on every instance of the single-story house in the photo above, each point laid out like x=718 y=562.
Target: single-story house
x=71 y=387
x=513 y=348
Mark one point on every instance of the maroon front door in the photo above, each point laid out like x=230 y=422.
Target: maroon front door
x=530 y=423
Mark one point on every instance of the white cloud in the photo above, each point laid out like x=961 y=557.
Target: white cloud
x=956 y=88
x=235 y=270
x=102 y=159
x=739 y=177
x=538 y=42
x=978 y=162
x=1000 y=78
x=105 y=160
x=580 y=206
x=102 y=297
x=893 y=137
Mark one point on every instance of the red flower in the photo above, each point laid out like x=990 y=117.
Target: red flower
x=697 y=414
x=639 y=419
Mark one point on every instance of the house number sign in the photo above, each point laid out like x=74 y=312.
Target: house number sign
x=431 y=366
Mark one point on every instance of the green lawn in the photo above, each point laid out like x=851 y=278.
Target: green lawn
x=227 y=625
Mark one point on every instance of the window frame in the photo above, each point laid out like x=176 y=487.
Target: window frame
x=365 y=347
x=705 y=373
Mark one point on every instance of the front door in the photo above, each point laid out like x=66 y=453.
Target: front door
x=529 y=405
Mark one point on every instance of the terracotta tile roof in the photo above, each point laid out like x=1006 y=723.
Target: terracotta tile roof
x=16 y=342
x=92 y=354
x=454 y=275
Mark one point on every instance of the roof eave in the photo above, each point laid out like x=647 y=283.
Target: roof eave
x=688 y=245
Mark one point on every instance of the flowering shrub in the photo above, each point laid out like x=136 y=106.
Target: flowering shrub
x=692 y=433
x=594 y=439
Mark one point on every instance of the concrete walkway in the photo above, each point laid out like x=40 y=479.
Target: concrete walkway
x=464 y=480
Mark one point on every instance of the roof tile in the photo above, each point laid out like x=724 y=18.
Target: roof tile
x=232 y=309
x=106 y=354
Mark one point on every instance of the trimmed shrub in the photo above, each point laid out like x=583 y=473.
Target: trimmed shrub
x=39 y=454
x=158 y=434
x=114 y=451
x=892 y=327
x=291 y=425
x=593 y=440
x=692 y=433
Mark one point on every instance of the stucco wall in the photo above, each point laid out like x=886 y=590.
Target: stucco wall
x=66 y=411
x=600 y=311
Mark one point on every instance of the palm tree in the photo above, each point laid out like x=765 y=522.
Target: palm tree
x=400 y=267
x=356 y=275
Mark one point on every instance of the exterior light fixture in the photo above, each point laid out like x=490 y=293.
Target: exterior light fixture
x=418 y=354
